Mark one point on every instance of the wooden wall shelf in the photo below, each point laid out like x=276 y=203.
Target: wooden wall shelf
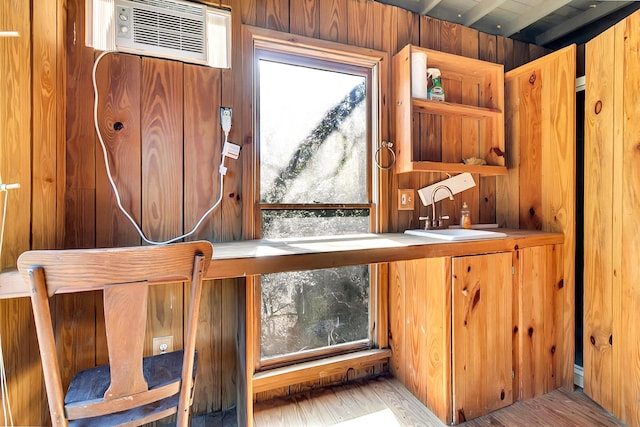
x=432 y=136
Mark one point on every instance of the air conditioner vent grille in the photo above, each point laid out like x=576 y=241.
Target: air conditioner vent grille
x=168 y=31
x=170 y=5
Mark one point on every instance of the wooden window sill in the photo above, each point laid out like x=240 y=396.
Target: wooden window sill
x=310 y=371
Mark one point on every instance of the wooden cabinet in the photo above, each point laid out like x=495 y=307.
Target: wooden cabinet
x=481 y=330
x=437 y=136
x=473 y=334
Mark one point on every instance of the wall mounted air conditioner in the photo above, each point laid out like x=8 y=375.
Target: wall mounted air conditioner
x=172 y=29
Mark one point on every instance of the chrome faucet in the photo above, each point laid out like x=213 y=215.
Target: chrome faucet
x=433 y=223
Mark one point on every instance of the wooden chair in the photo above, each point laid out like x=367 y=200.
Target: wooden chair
x=131 y=390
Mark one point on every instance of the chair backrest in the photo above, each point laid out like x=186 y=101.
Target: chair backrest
x=124 y=275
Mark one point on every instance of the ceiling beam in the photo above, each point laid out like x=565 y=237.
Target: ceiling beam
x=536 y=13
x=427 y=5
x=586 y=17
x=479 y=11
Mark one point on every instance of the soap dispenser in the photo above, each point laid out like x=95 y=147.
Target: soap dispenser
x=465 y=216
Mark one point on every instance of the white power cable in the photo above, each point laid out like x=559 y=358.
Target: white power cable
x=4 y=390
x=223 y=169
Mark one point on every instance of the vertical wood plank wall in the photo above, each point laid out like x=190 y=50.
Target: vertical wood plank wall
x=612 y=235
x=65 y=201
x=539 y=193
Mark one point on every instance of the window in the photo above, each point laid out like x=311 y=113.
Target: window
x=314 y=127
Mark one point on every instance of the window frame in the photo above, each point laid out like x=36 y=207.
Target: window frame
x=257 y=39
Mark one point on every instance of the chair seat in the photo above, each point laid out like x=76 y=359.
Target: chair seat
x=91 y=384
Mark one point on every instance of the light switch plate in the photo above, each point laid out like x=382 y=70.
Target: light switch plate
x=406 y=199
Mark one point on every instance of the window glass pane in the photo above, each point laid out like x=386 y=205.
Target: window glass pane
x=313 y=135
x=321 y=222
x=310 y=310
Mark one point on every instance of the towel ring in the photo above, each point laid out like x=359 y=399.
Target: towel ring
x=386 y=145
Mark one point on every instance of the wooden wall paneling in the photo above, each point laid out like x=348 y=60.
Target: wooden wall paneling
x=397 y=324
x=430 y=125
x=629 y=297
x=80 y=134
x=44 y=197
x=162 y=156
x=520 y=53
x=229 y=364
x=559 y=180
x=333 y=25
x=273 y=14
x=203 y=142
x=452 y=36
x=361 y=26
x=162 y=185
x=530 y=215
x=22 y=363
x=233 y=377
x=415 y=332
x=508 y=186
x=61 y=130
x=406 y=30
x=305 y=17
x=202 y=148
x=15 y=132
x=504 y=50
x=232 y=95
x=472 y=139
x=616 y=280
x=487 y=51
x=546 y=139
x=386 y=18
x=247 y=12
x=118 y=82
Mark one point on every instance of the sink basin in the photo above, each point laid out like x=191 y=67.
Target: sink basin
x=456 y=234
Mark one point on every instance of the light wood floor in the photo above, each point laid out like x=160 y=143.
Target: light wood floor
x=385 y=402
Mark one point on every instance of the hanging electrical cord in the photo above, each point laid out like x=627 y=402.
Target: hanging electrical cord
x=4 y=390
x=229 y=150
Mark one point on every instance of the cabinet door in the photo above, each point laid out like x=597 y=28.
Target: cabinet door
x=481 y=328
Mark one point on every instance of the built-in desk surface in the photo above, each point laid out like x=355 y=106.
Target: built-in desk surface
x=249 y=257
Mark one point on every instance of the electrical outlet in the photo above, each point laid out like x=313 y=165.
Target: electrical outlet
x=162 y=345
x=405 y=199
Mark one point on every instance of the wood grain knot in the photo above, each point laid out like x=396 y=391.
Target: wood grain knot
x=638 y=147
x=515 y=329
x=610 y=339
x=118 y=126
x=461 y=417
x=561 y=284
x=530 y=332
x=502 y=395
x=468 y=268
x=532 y=211
x=515 y=248
x=476 y=299
x=553 y=349
x=593 y=340
x=598 y=107
x=486 y=199
x=532 y=78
